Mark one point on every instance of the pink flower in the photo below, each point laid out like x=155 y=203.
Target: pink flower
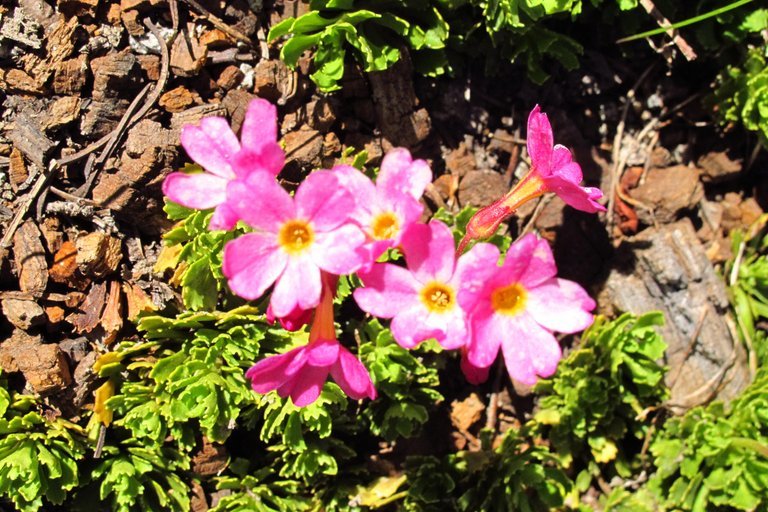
x=293 y=321
x=517 y=309
x=386 y=210
x=294 y=239
x=552 y=170
x=301 y=372
x=215 y=147
x=428 y=299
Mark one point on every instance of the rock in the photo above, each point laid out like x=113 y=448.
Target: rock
x=273 y=80
x=460 y=161
x=230 y=78
x=98 y=254
x=481 y=188
x=44 y=366
x=668 y=192
x=304 y=148
x=717 y=167
x=29 y=255
x=178 y=99
x=23 y=313
x=668 y=270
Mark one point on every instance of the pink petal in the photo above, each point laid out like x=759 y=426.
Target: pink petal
x=307 y=385
x=336 y=251
x=581 y=198
x=541 y=265
x=429 y=251
x=269 y=373
x=252 y=263
x=529 y=350
x=359 y=186
x=561 y=156
x=568 y=172
x=388 y=290
x=212 y=145
x=323 y=352
x=488 y=331
x=474 y=374
x=473 y=270
x=269 y=160
x=518 y=258
x=540 y=141
x=322 y=200
x=261 y=202
x=224 y=218
x=568 y=299
x=298 y=286
x=415 y=324
x=259 y=126
x=293 y=321
x=400 y=174
x=200 y=190
x=352 y=377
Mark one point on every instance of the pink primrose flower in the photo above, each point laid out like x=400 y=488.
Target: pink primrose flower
x=428 y=299
x=215 y=147
x=294 y=239
x=301 y=372
x=517 y=309
x=293 y=321
x=386 y=210
x=552 y=170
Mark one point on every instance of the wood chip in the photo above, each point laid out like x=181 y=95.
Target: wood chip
x=178 y=99
x=137 y=300
x=23 y=313
x=70 y=75
x=64 y=263
x=98 y=254
x=215 y=39
x=17 y=170
x=62 y=112
x=112 y=317
x=43 y=364
x=187 y=54
x=30 y=259
x=28 y=137
x=90 y=310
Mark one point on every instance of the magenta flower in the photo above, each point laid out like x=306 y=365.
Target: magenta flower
x=301 y=373
x=386 y=210
x=215 y=147
x=552 y=170
x=294 y=239
x=517 y=309
x=429 y=298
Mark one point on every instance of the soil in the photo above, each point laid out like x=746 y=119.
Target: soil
x=93 y=102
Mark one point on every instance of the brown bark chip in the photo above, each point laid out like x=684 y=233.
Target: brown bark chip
x=64 y=263
x=481 y=188
x=717 y=166
x=304 y=147
x=43 y=365
x=668 y=192
x=23 y=313
x=28 y=137
x=90 y=310
x=178 y=99
x=187 y=54
x=98 y=254
x=112 y=318
x=17 y=170
x=70 y=75
x=30 y=259
x=62 y=112
x=230 y=78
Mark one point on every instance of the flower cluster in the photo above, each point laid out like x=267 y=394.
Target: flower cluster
x=340 y=222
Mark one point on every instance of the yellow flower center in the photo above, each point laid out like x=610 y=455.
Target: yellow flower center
x=384 y=226
x=509 y=300
x=437 y=297
x=295 y=236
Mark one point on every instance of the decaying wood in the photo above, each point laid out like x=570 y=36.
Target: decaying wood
x=90 y=310
x=668 y=270
x=112 y=317
x=29 y=254
x=98 y=254
x=663 y=22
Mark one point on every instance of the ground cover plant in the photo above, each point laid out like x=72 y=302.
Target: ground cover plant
x=409 y=255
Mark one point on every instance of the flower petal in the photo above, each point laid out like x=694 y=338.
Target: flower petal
x=473 y=270
x=260 y=202
x=298 y=286
x=269 y=160
x=336 y=251
x=429 y=251
x=540 y=141
x=352 y=377
x=259 y=126
x=561 y=156
x=293 y=321
x=322 y=200
x=360 y=187
x=570 y=171
x=413 y=325
x=488 y=331
x=568 y=299
x=252 y=263
x=224 y=218
x=308 y=385
x=474 y=374
x=517 y=260
x=212 y=145
x=581 y=198
x=541 y=265
x=401 y=174
x=200 y=190
x=388 y=290
x=269 y=373
x=323 y=352
x=529 y=350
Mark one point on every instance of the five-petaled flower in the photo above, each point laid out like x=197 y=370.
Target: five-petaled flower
x=215 y=147
x=294 y=239
x=428 y=299
x=552 y=170
x=518 y=307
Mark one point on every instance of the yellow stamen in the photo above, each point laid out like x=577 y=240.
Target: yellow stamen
x=384 y=226
x=295 y=236
x=437 y=297
x=509 y=300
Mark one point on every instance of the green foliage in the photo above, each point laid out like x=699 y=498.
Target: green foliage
x=405 y=384
x=592 y=406
x=38 y=457
x=197 y=386
x=259 y=492
x=715 y=456
x=138 y=477
x=458 y=224
x=200 y=255
x=742 y=92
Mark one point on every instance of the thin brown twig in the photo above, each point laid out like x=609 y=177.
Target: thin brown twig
x=663 y=22
x=218 y=22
